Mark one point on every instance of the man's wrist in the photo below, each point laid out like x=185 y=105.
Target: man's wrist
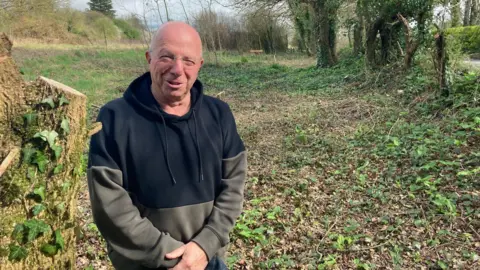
x=208 y=241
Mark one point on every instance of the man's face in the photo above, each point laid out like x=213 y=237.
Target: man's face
x=174 y=64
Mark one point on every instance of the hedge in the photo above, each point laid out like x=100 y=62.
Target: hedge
x=469 y=37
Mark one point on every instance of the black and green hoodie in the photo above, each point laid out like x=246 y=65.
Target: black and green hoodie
x=157 y=181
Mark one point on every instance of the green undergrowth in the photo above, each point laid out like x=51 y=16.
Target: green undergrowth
x=396 y=187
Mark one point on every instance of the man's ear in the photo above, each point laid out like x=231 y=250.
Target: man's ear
x=148 y=57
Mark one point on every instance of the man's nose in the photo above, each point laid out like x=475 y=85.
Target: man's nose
x=177 y=67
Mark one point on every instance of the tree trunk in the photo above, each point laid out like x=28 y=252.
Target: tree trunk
x=372 y=41
x=326 y=35
x=468 y=8
x=358 y=47
x=441 y=62
x=46 y=122
x=474 y=14
x=385 y=38
x=456 y=13
x=411 y=45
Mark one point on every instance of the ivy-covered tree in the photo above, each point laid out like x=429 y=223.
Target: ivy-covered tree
x=391 y=22
x=102 y=6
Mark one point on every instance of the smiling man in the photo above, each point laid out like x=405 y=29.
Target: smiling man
x=167 y=171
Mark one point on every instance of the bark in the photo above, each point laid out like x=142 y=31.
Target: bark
x=21 y=176
x=474 y=13
x=326 y=34
x=371 y=42
x=385 y=38
x=468 y=9
x=441 y=62
x=358 y=47
x=411 y=44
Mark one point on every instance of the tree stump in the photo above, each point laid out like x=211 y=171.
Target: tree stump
x=43 y=135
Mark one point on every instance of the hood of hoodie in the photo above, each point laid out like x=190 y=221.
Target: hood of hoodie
x=139 y=94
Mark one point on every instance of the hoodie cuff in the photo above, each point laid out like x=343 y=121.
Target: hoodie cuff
x=208 y=241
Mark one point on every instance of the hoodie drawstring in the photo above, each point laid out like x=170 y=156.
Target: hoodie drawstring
x=165 y=145
x=198 y=147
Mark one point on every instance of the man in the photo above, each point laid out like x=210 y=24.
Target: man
x=166 y=173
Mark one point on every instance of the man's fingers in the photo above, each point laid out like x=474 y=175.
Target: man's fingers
x=176 y=253
x=179 y=266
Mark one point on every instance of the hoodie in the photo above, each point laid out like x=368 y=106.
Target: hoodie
x=157 y=181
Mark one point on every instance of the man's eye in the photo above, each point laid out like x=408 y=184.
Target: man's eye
x=189 y=62
x=166 y=57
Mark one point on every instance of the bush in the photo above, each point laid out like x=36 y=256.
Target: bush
x=128 y=30
x=469 y=37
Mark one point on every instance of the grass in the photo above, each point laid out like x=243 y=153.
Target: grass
x=347 y=170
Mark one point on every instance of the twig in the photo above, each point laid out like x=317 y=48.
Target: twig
x=10 y=157
x=219 y=94
x=368 y=248
x=471 y=228
x=390 y=131
x=326 y=233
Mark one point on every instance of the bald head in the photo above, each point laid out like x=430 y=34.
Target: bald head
x=176 y=30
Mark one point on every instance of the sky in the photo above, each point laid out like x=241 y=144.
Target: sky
x=137 y=7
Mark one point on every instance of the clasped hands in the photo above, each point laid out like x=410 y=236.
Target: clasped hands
x=193 y=257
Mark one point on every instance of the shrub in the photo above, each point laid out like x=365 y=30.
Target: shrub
x=128 y=30
x=469 y=37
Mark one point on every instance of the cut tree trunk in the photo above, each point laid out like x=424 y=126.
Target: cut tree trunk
x=46 y=122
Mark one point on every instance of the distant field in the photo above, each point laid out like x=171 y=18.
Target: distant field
x=345 y=172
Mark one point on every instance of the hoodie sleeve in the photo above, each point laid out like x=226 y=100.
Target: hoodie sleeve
x=117 y=218
x=229 y=203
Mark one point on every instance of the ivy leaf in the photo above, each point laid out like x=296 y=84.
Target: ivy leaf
x=58 y=169
x=40 y=192
x=31 y=173
x=37 y=209
x=41 y=161
x=63 y=100
x=60 y=207
x=59 y=239
x=65 y=125
x=65 y=186
x=49 y=250
x=35 y=228
x=27 y=154
x=49 y=101
x=29 y=118
x=17 y=253
x=57 y=149
x=19 y=233
x=464 y=173
x=48 y=136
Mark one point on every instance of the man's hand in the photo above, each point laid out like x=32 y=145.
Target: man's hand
x=193 y=257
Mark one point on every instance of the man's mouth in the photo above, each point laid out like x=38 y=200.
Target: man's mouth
x=174 y=84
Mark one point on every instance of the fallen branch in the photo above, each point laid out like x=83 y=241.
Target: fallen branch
x=97 y=127
x=10 y=157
